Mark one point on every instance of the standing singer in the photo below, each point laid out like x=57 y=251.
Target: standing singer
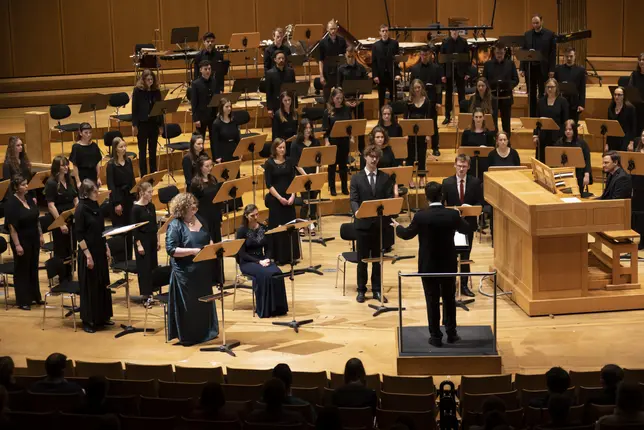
x=384 y=68
x=203 y=89
x=332 y=45
x=536 y=73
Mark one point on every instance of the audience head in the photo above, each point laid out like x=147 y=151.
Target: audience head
x=212 y=397
x=55 y=365
x=611 y=375
x=329 y=419
x=251 y=212
x=434 y=192
x=493 y=410
x=354 y=371
x=274 y=394
x=183 y=205
x=283 y=372
x=557 y=380
x=88 y=190
x=96 y=389
x=559 y=408
x=629 y=396
x=6 y=370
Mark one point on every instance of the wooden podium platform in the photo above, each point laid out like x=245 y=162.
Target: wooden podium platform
x=541 y=247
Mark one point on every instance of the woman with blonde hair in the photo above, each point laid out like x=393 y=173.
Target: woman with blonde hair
x=554 y=106
x=420 y=107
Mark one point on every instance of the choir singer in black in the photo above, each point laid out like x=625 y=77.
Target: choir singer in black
x=431 y=75
x=146 y=128
x=369 y=184
x=542 y=40
x=203 y=88
x=435 y=228
x=213 y=56
x=278 y=75
x=385 y=70
x=576 y=75
x=332 y=45
x=278 y=45
x=498 y=70
x=454 y=44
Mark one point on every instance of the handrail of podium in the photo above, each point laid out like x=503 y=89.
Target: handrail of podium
x=402 y=275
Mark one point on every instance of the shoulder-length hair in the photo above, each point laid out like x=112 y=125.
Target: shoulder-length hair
x=198 y=177
x=140 y=84
x=180 y=204
x=191 y=152
x=372 y=135
x=394 y=119
x=637 y=65
x=554 y=82
x=13 y=158
x=58 y=162
x=423 y=93
x=220 y=110
x=575 y=131
x=115 y=144
x=87 y=187
x=484 y=102
x=284 y=116
x=330 y=106
x=249 y=209
x=300 y=130
x=277 y=142
x=472 y=125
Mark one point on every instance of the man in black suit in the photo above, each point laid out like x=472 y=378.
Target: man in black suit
x=542 y=40
x=431 y=74
x=278 y=45
x=464 y=190
x=384 y=69
x=576 y=75
x=332 y=45
x=435 y=228
x=501 y=69
x=454 y=44
x=618 y=182
x=369 y=184
x=216 y=59
x=275 y=77
x=202 y=90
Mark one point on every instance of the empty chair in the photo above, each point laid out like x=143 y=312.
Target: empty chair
x=172 y=131
x=54 y=402
x=585 y=378
x=160 y=408
x=310 y=379
x=537 y=416
x=347 y=232
x=180 y=390
x=530 y=382
x=60 y=286
x=485 y=384
x=36 y=367
x=421 y=420
x=242 y=393
x=166 y=194
x=124 y=387
x=247 y=376
x=25 y=381
x=6 y=270
x=407 y=402
x=308 y=394
x=112 y=370
x=198 y=374
x=138 y=423
x=356 y=417
x=143 y=372
x=122 y=405
x=586 y=394
x=408 y=385
x=118 y=101
x=59 y=112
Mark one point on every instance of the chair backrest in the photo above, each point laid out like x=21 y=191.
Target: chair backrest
x=143 y=372
x=54 y=267
x=138 y=423
x=530 y=382
x=317 y=84
x=527 y=396
x=636 y=375
x=399 y=107
x=18 y=400
x=167 y=193
x=536 y=416
x=313 y=113
x=598 y=411
x=139 y=46
x=45 y=221
x=247 y=376
x=242 y=393
x=474 y=402
x=241 y=117
x=171 y=131
x=160 y=407
x=337 y=380
x=31 y=420
x=348 y=232
x=3 y=244
x=486 y=384
x=119 y=99
x=125 y=387
x=421 y=420
x=180 y=390
x=608 y=426
x=356 y=417
x=408 y=385
x=310 y=379
x=36 y=367
x=188 y=424
x=59 y=112
x=160 y=277
x=123 y=405
x=82 y=421
x=313 y=395
x=113 y=370
x=117 y=249
x=109 y=137
x=306 y=411
x=588 y=393
x=257 y=426
x=241 y=409
x=198 y=374
x=46 y=402
x=407 y=402
x=585 y=378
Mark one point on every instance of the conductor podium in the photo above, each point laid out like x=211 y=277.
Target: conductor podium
x=541 y=246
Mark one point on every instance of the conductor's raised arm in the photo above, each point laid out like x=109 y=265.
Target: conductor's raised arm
x=406 y=233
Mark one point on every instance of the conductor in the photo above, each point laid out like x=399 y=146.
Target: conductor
x=435 y=227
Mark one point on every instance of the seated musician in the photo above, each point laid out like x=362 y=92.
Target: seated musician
x=503 y=154
x=618 y=182
x=278 y=45
x=275 y=77
x=212 y=55
x=571 y=139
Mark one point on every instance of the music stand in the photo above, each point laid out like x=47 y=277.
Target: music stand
x=334 y=61
x=60 y=221
x=306 y=32
x=246 y=85
x=102 y=196
x=475 y=153
x=153 y=178
x=38 y=180
x=564 y=156
x=231 y=190
x=354 y=88
x=252 y=145
x=308 y=183
x=318 y=156
x=232 y=97
x=512 y=41
x=399 y=147
x=633 y=162
x=539 y=124
x=380 y=209
x=465 y=211
x=292 y=229
x=4 y=186
x=182 y=36
x=529 y=56
x=164 y=107
x=295 y=89
x=415 y=127
x=226 y=171
x=401 y=176
x=218 y=251
x=349 y=128
x=129 y=328
x=452 y=59
x=604 y=128
x=568 y=89
x=244 y=42
x=94 y=103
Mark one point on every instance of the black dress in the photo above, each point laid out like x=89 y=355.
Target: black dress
x=225 y=138
x=388 y=158
x=284 y=129
x=189 y=168
x=96 y=298
x=296 y=153
x=147 y=235
x=280 y=176
x=580 y=171
x=62 y=196
x=211 y=214
x=637 y=206
x=512 y=159
x=8 y=171
x=25 y=222
x=637 y=80
x=422 y=112
x=85 y=158
x=393 y=130
x=627 y=119
x=120 y=181
x=270 y=293
x=343 y=145
x=472 y=138
x=559 y=113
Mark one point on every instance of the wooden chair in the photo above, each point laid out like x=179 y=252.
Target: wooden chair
x=327 y=397
x=25 y=381
x=605 y=426
x=54 y=402
x=112 y=370
x=408 y=402
x=598 y=411
x=485 y=384
x=198 y=374
x=588 y=393
x=247 y=376
x=530 y=382
x=36 y=367
x=242 y=409
x=474 y=402
x=138 y=423
x=305 y=410
x=144 y=372
x=123 y=405
x=311 y=395
x=33 y=420
x=537 y=416
x=188 y=424
x=180 y=390
x=527 y=396
x=421 y=420
x=18 y=400
x=241 y=393
x=80 y=381
x=515 y=417
x=634 y=375
x=356 y=417
x=156 y=407
x=408 y=385
x=586 y=378
x=124 y=387
x=310 y=379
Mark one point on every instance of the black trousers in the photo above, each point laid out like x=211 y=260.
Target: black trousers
x=383 y=86
x=206 y=126
x=147 y=139
x=419 y=142
x=63 y=245
x=504 y=106
x=449 y=88
x=368 y=246
x=535 y=81
x=341 y=160
x=435 y=288
x=358 y=113
x=25 y=278
x=465 y=268
x=304 y=210
x=573 y=114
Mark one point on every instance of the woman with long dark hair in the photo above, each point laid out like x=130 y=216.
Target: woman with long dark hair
x=571 y=139
x=146 y=238
x=61 y=195
x=226 y=134
x=337 y=110
x=93 y=256
x=16 y=160
x=305 y=139
x=285 y=120
x=622 y=111
x=637 y=80
x=86 y=157
x=478 y=135
x=482 y=98
x=120 y=181
x=144 y=127
x=21 y=218
x=255 y=259
x=189 y=162
x=389 y=122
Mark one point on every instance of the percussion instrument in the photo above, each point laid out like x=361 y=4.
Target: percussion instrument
x=482 y=48
x=179 y=55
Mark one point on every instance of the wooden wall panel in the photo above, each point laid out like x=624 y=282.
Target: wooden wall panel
x=183 y=13
x=605 y=19
x=87 y=36
x=277 y=13
x=461 y=9
x=6 y=64
x=132 y=22
x=633 y=28
x=35 y=26
x=547 y=9
x=221 y=11
x=407 y=11
x=318 y=12
x=509 y=19
x=366 y=17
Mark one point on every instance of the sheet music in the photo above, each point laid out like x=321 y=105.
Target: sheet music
x=570 y=200
x=460 y=240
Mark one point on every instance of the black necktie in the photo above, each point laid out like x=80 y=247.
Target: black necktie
x=372 y=182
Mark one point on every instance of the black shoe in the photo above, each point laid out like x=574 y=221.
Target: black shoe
x=109 y=322
x=453 y=339
x=345 y=191
x=466 y=291
x=333 y=192
x=446 y=120
x=42 y=302
x=376 y=296
x=436 y=341
x=25 y=307
x=88 y=328
x=436 y=153
x=360 y=298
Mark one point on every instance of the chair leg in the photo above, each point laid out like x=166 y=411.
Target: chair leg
x=44 y=309
x=62 y=307
x=344 y=279
x=337 y=270
x=408 y=206
x=73 y=298
x=235 y=291
x=145 y=322
x=6 y=292
x=165 y=322
x=252 y=293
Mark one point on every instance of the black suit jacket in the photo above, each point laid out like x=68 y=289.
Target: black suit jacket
x=435 y=228
x=202 y=92
x=458 y=46
x=473 y=195
x=546 y=45
x=382 y=60
x=274 y=81
x=575 y=75
x=618 y=186
x=361 y=192
x=142 y=102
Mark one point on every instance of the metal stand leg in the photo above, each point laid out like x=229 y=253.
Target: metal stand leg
x=460 y=303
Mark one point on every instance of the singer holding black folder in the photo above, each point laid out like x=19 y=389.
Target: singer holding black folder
x=575 y=75
x=542 y=40
x=332 y=45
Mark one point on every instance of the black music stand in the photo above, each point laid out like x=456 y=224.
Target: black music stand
x=181 y=36
x=252 y=145
x=334 y=61
x=475 y=153
x=512 y=41
x=303 y=32
x=244 y=42
x=295 y=89
x=218 y=251
x=415 y=127
x=231 y=190
x=501 y=87
x=232 y=97
x=529 y=56
x=66 y=218
x=164 y=107
x=604 y=128
x=538 y=124
x=94 y=103
x=349 y=128
x=452 y=60
x=354 y=88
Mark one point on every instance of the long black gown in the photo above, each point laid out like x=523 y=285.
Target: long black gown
x=189 y=320
x=559 y=112
x=296 y=153
x=120 y=181
x=147 y=235
x=85 y=158
x=627 y=119
x=280 y=177
x=472 y=138
x=224 y=140
x=422 y=112
x=62 y=195
x=189 y=168
x=25 y=222
x=637 y=206
x=270 y=293
x=96 y=298
x=211 y=213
